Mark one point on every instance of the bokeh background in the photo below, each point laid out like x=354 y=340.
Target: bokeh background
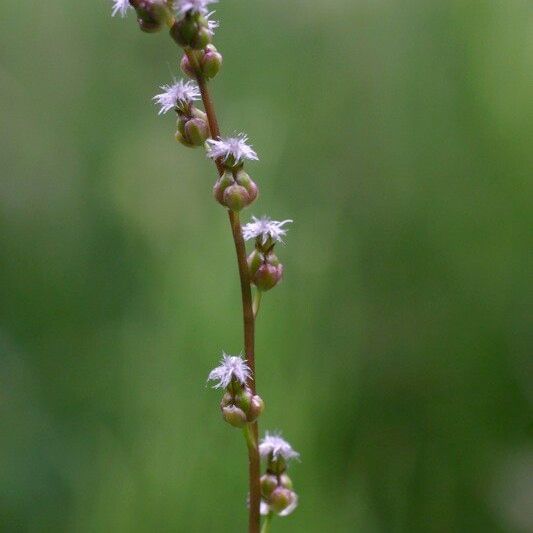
x=399 y=137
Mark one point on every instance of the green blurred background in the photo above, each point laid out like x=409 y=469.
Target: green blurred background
x=399 y=137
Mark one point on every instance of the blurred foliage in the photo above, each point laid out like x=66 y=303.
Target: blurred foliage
x=399 y=136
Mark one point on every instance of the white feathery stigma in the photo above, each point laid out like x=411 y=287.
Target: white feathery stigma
x=121 y=7
x=199 y=6
x=212 y=25
x=273 y=445
x=264 y=228
x=236 y=147
x=179 y=91
x=231 y=367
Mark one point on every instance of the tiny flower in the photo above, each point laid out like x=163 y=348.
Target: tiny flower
x=121 y=7
x=231 y=367
x=275 y=447
x=198 y=6
x=179 y=92
x=234 y=147
x=264 y=228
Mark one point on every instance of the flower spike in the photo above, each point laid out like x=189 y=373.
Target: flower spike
x=231 y=368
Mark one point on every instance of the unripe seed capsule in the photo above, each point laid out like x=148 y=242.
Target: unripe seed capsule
x=242 y=178
x=255 y=260
x=280 y=499
x=196 y=131
x=257 y=406
x=285 y=481
x=268 y=484
x=211 y=63
x=236 y=197
x=201 y=39
x=148 y=25
x=181 y=139
x=221 y=185
x=267 y=276
x=234 y=416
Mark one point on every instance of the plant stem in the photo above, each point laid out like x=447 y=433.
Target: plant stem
x=247 y=308
x=266 y=524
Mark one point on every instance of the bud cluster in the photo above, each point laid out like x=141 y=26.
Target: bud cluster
x=235 y=189
x=239 y=405
x=265 y=269
x=208 y=61
x=193 y=128
x=276 y=486
x=192 y=30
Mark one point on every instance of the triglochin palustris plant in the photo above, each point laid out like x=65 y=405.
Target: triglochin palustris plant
x=192 y=28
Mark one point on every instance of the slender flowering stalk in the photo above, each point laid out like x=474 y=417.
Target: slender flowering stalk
x=191 y=28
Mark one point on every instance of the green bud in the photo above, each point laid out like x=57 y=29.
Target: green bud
x=200 y=39
x=236 y=197
x=285 y=481
x=227 y=399
x=221 y=185
x=181 y=124
x=243 y=400
x=280 y=499
x=211 y=62
x=234 y=416
x=276 y=466
x=183 y=31
x=196 y=131
x=242 y=178
x=268 y=484
x=257 y=406
x=255 y=260
x=181 y=139
x=148 y=25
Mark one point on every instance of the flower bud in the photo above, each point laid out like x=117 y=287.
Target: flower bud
x=183 y=31
x=201 y=38
x=285 y=481
x=186 y=67
x=269 y=274
x=211 y=62
x=196 y=131
x=148 y=25
x=257 y=406
x=255 y=260
x=182 y=139
x=234 y=416
x=276 y=466
x=236 y=197
x=242 y=178
x=243 y=399
x=221 y=185
x=280 y=499
x=227 y=399
x=268 y=484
